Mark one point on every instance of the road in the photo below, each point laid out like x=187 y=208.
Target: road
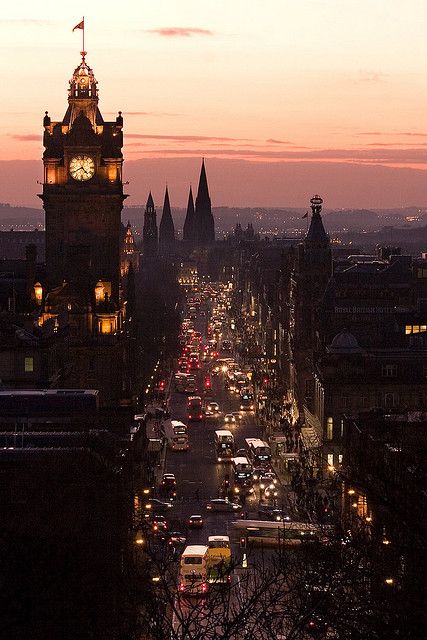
x=197 y=469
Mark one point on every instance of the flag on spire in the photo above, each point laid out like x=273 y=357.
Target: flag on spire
x=81 y=25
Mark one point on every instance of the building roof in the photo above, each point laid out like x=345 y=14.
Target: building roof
x=344 y=342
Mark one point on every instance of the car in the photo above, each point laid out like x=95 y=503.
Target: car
x=212 y=410
x=168 y=479
x=271 y=492
x=222 y=504
x=237 y=415
x=270 y=512
x=195 y=522
x=241 y=453
x=176 y=539
x=153 y=505
x=257 y=473
x=267 y=479
x=229 y=418
x=159 y=524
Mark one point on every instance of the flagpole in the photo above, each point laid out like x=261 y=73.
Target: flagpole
x=84 y=36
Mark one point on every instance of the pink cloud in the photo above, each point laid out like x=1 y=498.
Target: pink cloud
x=379 y=156
x=273 y=141
x=182 y=138
x=141 y=113
x=181 y=32
x=28 y=137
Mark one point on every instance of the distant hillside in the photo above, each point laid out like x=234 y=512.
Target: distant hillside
x=20 y=216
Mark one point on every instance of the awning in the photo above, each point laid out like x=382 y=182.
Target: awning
x=310 y=438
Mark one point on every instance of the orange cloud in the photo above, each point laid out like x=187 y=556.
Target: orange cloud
x=181 y=32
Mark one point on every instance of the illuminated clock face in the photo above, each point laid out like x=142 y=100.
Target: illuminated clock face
x=82 y=167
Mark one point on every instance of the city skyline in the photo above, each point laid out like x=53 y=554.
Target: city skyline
x=282 y=102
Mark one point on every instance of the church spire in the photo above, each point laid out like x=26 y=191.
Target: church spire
x=204 y=221
x=166 y=228
x=149 y=232
x=188 y=231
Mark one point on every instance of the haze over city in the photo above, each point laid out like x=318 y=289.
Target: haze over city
x=283 y=99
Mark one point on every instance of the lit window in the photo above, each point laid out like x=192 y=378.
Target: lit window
x=329 y=428
x=408 y=329
x=29 y=365
x=340 y=458
x=415 y=328
x=330 y=459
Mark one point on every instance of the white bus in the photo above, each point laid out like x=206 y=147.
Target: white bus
x=176 y=435
x=259 y=452
x=193 y=572
x=224 y=445
x=247 y=532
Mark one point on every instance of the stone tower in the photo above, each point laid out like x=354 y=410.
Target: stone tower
x=203 y=218
x=82 y=190
x=149 y=232
x=166 y=229
x=189 y=230
x=309 y=279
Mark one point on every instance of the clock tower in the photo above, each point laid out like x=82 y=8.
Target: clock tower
x=83 y=191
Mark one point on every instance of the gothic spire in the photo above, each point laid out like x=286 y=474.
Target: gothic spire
x=149 y=232
x=188 y=232
x=166 y=228
x=204 y=222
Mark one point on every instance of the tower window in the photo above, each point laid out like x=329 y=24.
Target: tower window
x=29 y=364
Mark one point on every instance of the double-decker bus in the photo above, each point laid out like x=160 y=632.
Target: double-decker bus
x=254 y=532
x=176 y=435
x=219 y=559
x=259 y=452
x=194 y=407
x=224 y=445
x=242 y=475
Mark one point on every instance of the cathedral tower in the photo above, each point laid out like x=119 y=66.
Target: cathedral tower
x=203 y=218
x=166 y=229
x=82 y=190
x=149 y=232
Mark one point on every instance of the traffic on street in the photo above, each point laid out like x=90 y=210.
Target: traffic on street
x=218 y=510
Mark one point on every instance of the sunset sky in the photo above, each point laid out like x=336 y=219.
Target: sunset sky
x=333 y=91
